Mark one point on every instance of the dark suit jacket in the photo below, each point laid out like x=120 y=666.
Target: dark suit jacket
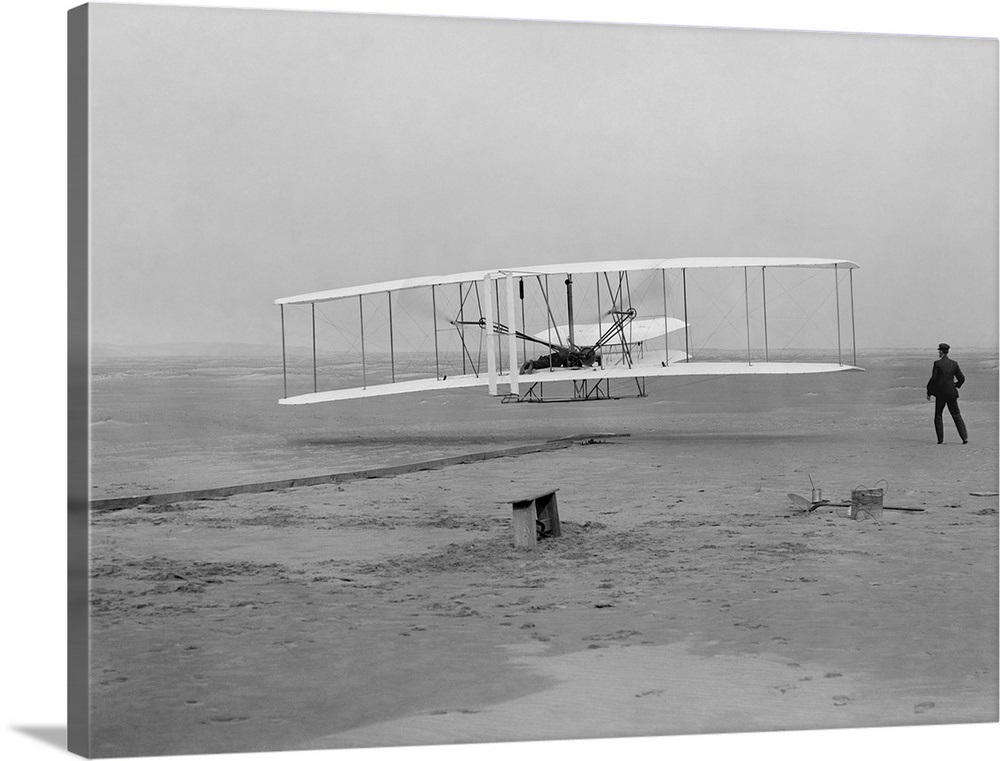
x=946 y=379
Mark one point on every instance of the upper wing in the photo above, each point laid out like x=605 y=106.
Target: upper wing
x=579 y=268
x=706 y=262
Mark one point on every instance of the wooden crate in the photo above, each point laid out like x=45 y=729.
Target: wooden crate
x=536 y=518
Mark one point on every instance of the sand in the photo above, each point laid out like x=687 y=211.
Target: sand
x=684 y=595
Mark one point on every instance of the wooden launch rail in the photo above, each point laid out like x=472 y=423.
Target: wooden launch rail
x=124 y=503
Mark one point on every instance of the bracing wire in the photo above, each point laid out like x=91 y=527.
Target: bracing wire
x=794 y=297
x=713 y=302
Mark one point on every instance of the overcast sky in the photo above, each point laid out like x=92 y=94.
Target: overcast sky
x=241 y=156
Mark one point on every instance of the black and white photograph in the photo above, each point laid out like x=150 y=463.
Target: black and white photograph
x=433 y=379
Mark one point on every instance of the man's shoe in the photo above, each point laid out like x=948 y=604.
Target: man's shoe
x=965 y=441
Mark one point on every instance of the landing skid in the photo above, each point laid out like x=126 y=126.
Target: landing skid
x=583 y=391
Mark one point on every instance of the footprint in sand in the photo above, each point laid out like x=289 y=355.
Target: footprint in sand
x=922 y=707
x=648 y=693
x=841 y=700
x=618 y=635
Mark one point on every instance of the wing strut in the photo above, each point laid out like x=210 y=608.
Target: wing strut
x=854 y=338
x=666 y=331
x=284 y=366
x=392 y=356
x=511 y=334
x=687 y=329
x=520 y=293
x=315 y=381
x=836 y=282
x=437 y=363
x=460 y=324
x=763 y=288
x=600 y=314
x=461 y=316
x=496 y=290
x=361 y=317
x=746 y=300
x=569 y=307
x=491 y=359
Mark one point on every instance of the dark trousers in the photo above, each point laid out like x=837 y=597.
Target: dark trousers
x=939 y=404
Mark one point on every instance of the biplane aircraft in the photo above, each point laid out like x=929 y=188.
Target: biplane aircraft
x=577 y=327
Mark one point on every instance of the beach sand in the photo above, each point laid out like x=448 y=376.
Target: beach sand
x=683 y=596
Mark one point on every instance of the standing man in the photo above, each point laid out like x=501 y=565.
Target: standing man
x=946 y=379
